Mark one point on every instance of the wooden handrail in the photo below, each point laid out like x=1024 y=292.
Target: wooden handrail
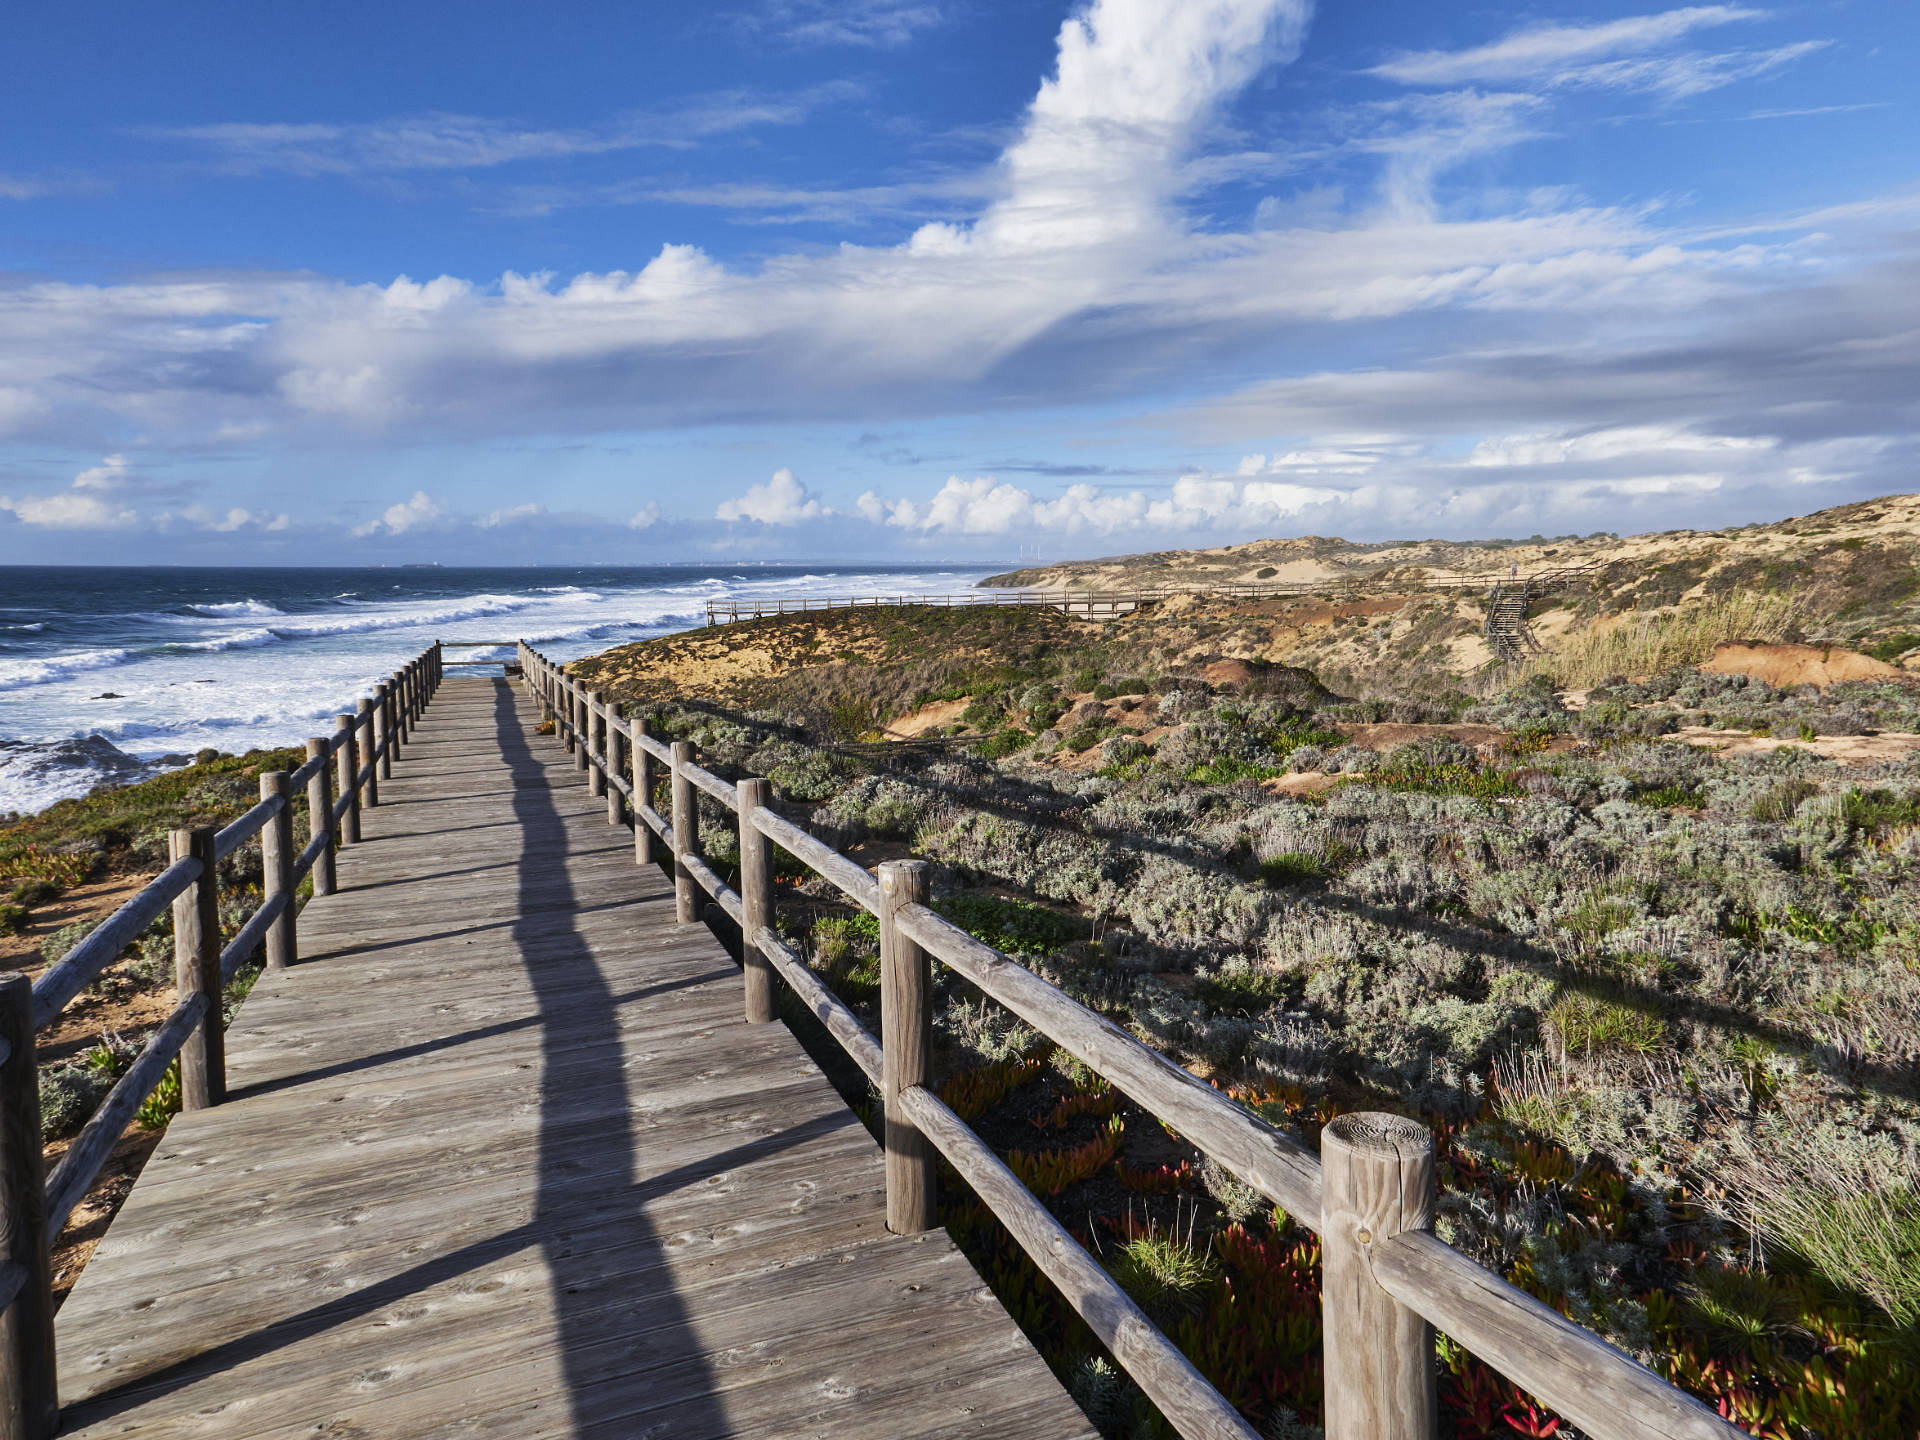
x=1607 y=1393
x=190 y=1033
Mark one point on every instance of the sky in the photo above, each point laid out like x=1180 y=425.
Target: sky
x=866 y=280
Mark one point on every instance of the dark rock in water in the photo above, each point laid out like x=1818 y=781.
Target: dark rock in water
x=172 y=760
x=89 y=752
x=109 y=695
x=42 y=772
x=202 y=757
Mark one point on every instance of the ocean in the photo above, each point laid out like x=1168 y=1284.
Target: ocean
x=110 y=674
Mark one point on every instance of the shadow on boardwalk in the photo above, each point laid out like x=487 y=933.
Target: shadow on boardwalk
x=583 y=1074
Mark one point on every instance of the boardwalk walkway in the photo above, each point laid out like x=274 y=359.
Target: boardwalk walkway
x=503 y=1160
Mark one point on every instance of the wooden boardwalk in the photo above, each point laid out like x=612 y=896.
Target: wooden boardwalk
x=501 y=1159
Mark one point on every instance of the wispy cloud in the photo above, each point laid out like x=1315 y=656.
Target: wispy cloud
x=871 y=24
x=469 y=142
x=763 y=204
x=1544 y=51
x=1616 y=55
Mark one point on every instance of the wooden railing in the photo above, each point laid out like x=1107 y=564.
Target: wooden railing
x=33 y=1206
x=1387 y=1280
x=1089 y=603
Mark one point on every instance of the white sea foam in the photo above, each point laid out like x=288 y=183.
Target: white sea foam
x=238 y=607
x=243 y=674
x=21 y=674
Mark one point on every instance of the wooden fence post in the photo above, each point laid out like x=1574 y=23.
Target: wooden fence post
x=276 y=868
x=1377 y=1177
x=383 y=766
x=196 y=970
x=320 y=817
x=370 y=789
x=756 y=898
x=642 y=795
x=29 y=1402
x=906 y=1038
x=596 y=728
x=686 y=833
x=616 y=760
x=347 y=763
x=390 y=698
x=582 y=727
x=543 y=687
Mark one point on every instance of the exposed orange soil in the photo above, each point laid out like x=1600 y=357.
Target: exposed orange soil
x=1784 y=666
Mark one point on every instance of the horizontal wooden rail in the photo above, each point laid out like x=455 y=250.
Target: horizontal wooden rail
x=828 y=1008
x=1155 y=1362
x=78 y=1168
x=726 y=897
x=82 y=965
x=252 y=935
x=191 y=1033
x=1283 y=1170
x=719 y=789
x=1601 y=1390
x=851 y=878
x=1379 y=1363
x=233 y=836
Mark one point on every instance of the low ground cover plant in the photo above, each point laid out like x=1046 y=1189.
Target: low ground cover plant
x=1621 y=976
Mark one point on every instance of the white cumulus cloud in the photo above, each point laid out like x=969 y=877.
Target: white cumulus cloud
x=783 y=500
x=416 y=513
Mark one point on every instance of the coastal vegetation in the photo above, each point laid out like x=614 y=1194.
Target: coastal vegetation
x=1633 y=926
x=1643 y=951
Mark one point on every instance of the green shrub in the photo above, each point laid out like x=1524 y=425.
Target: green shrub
x=984 y=712
x=1008 y=740
x=36 y=892
x=1013 y=926
x=13 y=918
x=69 y=1094
x=1085 y=737
x=1894 y=646
x=54 y=947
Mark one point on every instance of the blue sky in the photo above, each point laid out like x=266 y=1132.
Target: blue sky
x=944 y=278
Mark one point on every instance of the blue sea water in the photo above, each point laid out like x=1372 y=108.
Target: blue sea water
x=107 y=672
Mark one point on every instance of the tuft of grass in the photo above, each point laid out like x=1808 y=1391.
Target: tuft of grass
x=1825 y=1202
x=1587 y=1025
x=1167 y=1275
x=1666 y=639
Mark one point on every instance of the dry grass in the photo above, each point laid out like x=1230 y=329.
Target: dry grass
x=1685 y=635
